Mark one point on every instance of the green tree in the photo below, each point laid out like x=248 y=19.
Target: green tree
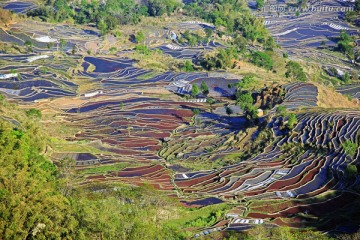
x=62 y=43
x=142 y=49
x=50 y=45
x=292 y=121
x=350 y=148
x=244 y=100
x=31 y=206
x=160 y=7
x=194 y=90
x=345 y=43
x=208 y=32
x=103 y=27
x=34 y=113
x=281 y=111
x=188 y=67
x=204 y=88
x=295 y=71
x=346 y=77
x=262 y=59
x=251 y=112
x=196 y=111
x=260 y=4
x=240 y=43
x=192 y=41
x=246 y=83
x=73 y=50
x=140 y=37
x=357 y=5
x=28 y=44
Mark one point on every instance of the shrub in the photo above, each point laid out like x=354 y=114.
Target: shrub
x=204 y=88
x=262 y=59
x=260 y=4
x=244 y=99
x=350 y=148
x=346 y=77
x=142 y=49
x=196 y=111
x=188 y=67
x=34 y=113
x=295 y=71
x=194 y=90
x=292 y=121
x=281 y=111
x=139 y=37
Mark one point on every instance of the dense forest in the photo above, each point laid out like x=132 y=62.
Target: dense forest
x=105 y=15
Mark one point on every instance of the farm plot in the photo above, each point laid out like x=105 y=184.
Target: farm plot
x=352 y=90
x=129 y=128
x=300 y=95
x=41 y=34
x=218 y=83
x=302 y=36
x=157 y=176
x=31 y=84
x=187 y=52
x=19 y=7
x=279 y=176
x=211 y=138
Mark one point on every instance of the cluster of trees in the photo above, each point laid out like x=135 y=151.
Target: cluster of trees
x=106 y=15
x=244 y=97
x=346 y=45
x=260 y=4
x=233 y=15
x=204 y=88
x=350 y=148
x=351 y=171
x=346 y=77
x=291 y=118
x=262 y=59
x=353 y=16
x=227 y=58
x=219 y=59
x=295 y=71
x=193 y=38
x=188 y=66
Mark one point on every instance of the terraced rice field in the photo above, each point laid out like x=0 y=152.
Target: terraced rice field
x=302 y=36
x=18 y=7
x=352 y=90
x=282 y=176
x=142 y=130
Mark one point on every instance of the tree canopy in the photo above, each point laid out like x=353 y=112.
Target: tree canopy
x=295 y=71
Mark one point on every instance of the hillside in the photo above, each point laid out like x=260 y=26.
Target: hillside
x=177 y=120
